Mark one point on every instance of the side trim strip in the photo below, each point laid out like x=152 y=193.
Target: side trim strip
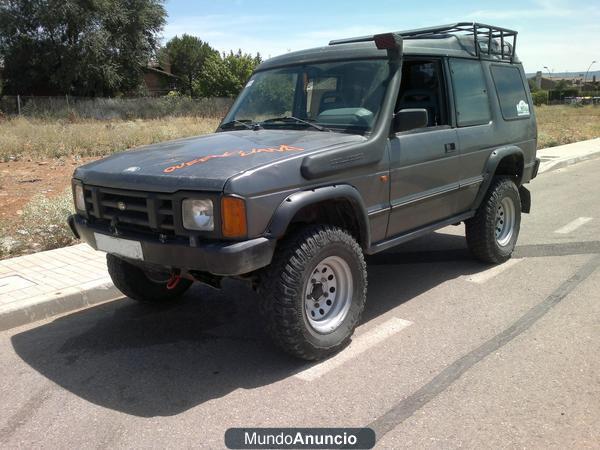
x=471 y=181
x=426 y=196
x=378 y=212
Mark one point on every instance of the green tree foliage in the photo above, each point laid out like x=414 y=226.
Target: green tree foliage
x=532 y=86
x=225 y=75
x=186 y=55
x=562 y=85
x=562 y=89
x=78 y=47
x=271 y=94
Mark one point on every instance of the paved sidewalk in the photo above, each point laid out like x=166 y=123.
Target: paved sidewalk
x=564 y=155
x=46 y=284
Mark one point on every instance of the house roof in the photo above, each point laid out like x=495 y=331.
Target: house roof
x=160 y=72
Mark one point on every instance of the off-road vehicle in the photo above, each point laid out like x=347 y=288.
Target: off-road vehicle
x=327 y=155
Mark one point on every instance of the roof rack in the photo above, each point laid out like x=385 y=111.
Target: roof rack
x=485 y=38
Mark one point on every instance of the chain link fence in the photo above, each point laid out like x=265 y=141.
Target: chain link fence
x=113 y=108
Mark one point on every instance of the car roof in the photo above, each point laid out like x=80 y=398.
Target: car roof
x=438 y=45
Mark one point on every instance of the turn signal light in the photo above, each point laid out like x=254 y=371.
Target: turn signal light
x=233 y=217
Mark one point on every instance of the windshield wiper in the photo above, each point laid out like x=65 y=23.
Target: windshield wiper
x=251 y=125
x=297 y=120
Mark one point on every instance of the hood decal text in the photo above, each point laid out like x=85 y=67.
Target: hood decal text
x=280 y=149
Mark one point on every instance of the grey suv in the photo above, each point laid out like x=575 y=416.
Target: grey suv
x=327 y=155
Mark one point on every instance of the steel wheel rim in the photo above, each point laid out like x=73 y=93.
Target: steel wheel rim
x=328 y=294
x=505 y=221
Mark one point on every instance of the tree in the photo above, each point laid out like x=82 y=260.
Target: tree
x=78 y=47
x=186 y=55
x=226 y=75
x=561 y=85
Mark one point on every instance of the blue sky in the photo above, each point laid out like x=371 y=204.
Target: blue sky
x=563 y=35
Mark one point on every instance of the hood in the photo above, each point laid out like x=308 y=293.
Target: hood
x=205 y=162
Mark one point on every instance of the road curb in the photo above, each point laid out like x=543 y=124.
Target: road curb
x=562 y=163
x=65 y=301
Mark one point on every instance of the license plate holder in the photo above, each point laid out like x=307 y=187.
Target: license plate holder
x=118 y=246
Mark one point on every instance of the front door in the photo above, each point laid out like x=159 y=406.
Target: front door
x=424 y=163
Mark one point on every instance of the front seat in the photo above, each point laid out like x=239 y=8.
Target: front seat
x=331 y=100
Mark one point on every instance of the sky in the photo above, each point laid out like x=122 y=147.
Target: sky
x=562 y=35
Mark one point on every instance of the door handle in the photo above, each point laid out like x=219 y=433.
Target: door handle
x=450 y=147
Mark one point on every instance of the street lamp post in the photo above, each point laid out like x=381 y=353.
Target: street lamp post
x=549 y=73
x=586 y=73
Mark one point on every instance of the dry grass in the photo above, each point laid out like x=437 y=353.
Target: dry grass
x=563 y=124
x=42 y=139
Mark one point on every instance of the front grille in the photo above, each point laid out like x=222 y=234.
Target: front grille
x=140 y=211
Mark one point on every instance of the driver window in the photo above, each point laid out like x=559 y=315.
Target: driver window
x=422 y=86
x=321 y=93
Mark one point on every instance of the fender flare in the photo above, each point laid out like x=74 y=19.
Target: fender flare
x=288 y=208
x=490 y=169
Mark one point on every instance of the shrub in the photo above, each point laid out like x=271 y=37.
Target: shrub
x=116 y=108
x=43 y=225
x=540 y=98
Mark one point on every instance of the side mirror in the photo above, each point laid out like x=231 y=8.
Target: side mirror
x=409 y=119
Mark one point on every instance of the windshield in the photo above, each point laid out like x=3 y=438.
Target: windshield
x=343 y=95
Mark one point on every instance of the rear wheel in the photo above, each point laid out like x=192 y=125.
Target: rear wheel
x=492 y=234
x=314 y=291
x=144 y=285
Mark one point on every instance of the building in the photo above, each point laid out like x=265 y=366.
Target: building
x=158 y=79
x=574 y=79
x=541 y=82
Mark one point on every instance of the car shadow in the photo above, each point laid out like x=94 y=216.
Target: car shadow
x=157 y=362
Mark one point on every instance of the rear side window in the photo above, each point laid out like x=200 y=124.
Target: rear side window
x=470 y=92
x=511 y=92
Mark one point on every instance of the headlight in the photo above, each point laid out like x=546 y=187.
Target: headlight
x=198 y=214
x=79 y=198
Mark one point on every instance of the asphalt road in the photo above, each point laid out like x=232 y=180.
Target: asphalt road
x=450 y=352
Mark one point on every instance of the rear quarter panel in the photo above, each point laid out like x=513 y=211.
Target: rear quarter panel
x=478 y=142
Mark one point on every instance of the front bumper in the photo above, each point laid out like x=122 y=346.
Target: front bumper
x=218 y=258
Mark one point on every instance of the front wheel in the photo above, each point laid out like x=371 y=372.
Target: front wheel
x=143 y=285
x=314 y=291
x=492 y=233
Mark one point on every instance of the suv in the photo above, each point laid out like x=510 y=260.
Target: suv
x=327 y=155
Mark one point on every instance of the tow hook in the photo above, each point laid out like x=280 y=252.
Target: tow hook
x=173 y=281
